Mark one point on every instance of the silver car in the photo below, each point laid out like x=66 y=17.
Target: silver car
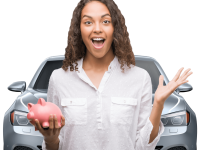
x=178 y=118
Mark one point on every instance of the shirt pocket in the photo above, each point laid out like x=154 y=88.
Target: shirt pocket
x=122 y=110
x=75 y=110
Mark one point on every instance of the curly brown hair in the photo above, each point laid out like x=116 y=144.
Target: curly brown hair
x=121 y=46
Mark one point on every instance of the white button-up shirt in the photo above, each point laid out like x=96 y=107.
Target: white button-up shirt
x=113 y=117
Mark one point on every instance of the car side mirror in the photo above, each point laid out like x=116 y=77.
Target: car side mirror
x=184 y=88
x=19 y=86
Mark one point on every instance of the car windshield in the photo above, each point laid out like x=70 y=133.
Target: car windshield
x=42 y=81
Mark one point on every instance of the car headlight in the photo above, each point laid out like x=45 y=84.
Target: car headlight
x=176 y=119
x=19 y=118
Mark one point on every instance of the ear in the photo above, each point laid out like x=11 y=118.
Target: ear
x=30 y=105
x=41 y=101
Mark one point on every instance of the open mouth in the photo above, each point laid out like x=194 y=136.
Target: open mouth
x=98 y=43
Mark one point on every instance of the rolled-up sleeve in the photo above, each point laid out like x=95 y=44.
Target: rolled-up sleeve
x=145 y=126
x=52 y=96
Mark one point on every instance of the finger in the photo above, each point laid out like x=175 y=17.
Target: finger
x=32 y=122
x=35 y=126
x=185 y=81
x=38 y=126
x=51 y=126
x=180 y=69
x=185 y=77
x=177 y=75
x=63 y=121
x=56 y=122
x=185 y=73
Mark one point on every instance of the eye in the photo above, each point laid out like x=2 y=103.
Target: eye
x=86 y=22
x=107 y=21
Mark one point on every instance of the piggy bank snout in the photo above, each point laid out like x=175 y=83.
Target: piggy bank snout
x=30 y=115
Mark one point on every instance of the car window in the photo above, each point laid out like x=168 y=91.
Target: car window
x=42 y=81
x=153 y=71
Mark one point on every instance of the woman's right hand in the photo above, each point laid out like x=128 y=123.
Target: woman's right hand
x=50 y=135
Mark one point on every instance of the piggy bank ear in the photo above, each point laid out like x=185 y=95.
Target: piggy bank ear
x=30 y=105
x=41 y=101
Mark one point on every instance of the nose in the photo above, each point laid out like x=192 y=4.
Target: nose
x=97 y=28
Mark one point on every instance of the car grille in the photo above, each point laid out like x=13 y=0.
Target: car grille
x=172 y=148
x=26 y=148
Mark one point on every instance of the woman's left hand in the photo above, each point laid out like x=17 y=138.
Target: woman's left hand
x=163 y=92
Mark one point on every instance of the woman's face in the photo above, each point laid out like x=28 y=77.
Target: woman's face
x=96 y=22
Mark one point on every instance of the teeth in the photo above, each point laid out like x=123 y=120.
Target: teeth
x=97 y=39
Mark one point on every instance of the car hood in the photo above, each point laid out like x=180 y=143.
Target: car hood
x=28 y=97
x=173 y=103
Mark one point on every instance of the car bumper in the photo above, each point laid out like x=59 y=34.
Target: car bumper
x=21 y=136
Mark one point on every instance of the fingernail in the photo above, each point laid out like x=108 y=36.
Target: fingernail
x=55 y=116
x=51 y=116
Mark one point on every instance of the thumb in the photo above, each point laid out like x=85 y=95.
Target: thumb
x=161 y=78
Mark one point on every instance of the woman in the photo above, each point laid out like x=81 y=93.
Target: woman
x=104 y=105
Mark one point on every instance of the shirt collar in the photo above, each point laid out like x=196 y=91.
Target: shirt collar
x=112 y=65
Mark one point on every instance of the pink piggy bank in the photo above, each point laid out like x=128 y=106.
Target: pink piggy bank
x=41 y=112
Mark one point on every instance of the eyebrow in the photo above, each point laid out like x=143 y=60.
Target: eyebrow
x=91 y=17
